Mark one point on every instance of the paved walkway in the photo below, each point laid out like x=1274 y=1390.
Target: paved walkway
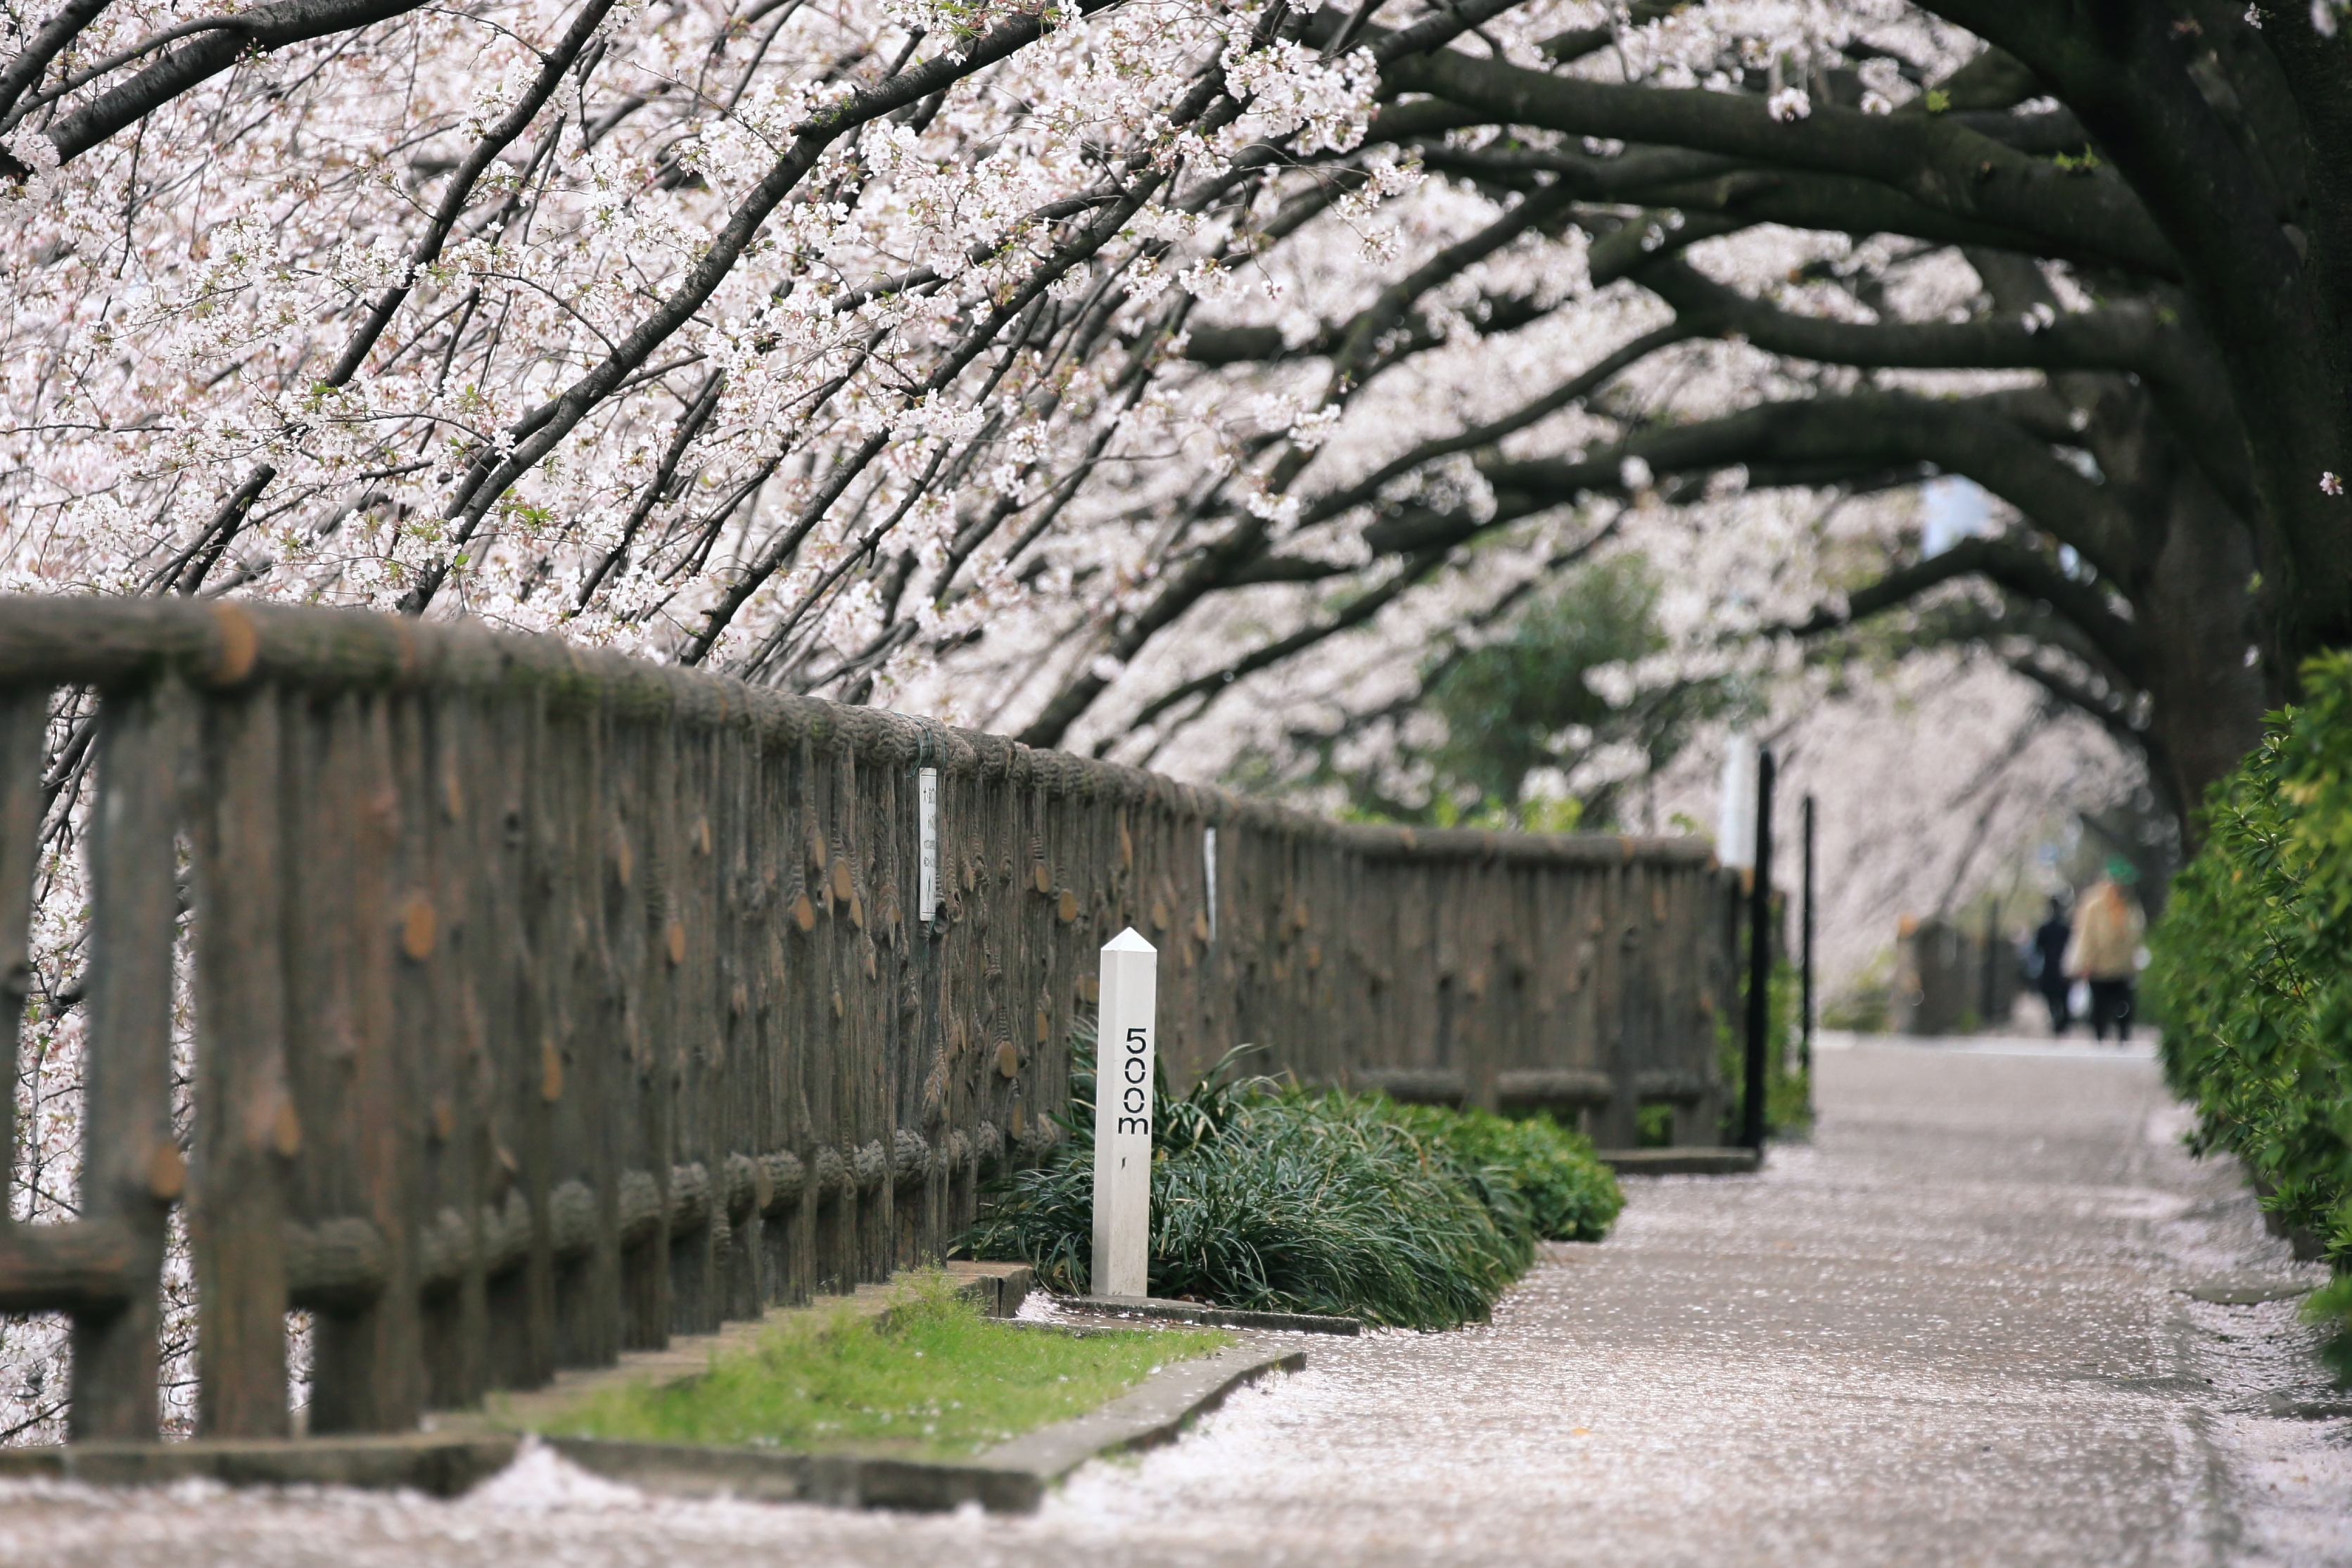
x=1949 y=1332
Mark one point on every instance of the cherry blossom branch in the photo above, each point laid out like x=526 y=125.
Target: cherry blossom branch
x=460 y=188
x=271 y=27
x=717 y=259
x=1359 y=611
x=22 y=74
x=773 y=560
x=656 y=489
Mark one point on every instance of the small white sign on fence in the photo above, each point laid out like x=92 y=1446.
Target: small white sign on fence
x=926 y=801
x=1209 y=875
x=1123 y=1112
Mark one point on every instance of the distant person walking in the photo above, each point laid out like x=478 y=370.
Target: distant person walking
x=2051 y=940
x=2105 y=950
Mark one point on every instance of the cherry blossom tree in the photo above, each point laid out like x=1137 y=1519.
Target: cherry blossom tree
x=983 y=350
x=1183 y=380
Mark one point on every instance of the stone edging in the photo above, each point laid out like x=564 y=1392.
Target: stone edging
x=1206 y=1316
x=1691 y=1161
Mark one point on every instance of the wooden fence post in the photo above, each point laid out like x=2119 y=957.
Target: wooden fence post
x=24 y=726
x=247 y=1129
x=131 y=1165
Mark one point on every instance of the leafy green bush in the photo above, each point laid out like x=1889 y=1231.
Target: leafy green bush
x=1269 y=1198
x=1533 y=1174
x=2249 y=965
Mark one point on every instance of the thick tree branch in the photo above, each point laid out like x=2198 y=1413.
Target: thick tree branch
x=2127 y=337
x=21 y=74
x=1841 y=203
x=264 y=27
x=2024 y=571
x=1936 y=162
x=1865 y=432
x=2131 y=73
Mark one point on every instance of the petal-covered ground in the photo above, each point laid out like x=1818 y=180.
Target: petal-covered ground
x=1952 y=1330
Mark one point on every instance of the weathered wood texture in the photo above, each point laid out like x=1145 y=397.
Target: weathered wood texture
x=549 y=1003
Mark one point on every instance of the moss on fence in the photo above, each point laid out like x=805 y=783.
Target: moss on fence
x=2253 y=965
x=1268 y=1198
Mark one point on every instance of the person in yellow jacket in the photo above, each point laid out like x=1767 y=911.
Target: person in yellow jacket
x=2105 y=950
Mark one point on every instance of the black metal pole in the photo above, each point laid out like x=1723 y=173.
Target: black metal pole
x=1759 y=959
x=1805 y=1040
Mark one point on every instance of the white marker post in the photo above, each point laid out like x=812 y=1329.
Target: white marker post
x=1123 y=1109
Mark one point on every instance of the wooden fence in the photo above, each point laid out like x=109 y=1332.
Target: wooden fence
x=548 y=1002
x=1951 y=981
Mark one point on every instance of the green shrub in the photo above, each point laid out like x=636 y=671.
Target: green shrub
x=1534 y=1174
x=2249 y=965
x=1270 y=1198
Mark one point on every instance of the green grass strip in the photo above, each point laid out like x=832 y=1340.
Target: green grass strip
x=939 y=1382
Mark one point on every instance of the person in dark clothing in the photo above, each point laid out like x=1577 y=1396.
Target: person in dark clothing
x=2050 y=976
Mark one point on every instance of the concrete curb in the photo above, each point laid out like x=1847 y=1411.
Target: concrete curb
x=1012 y=1478
x=2293 y=1408
x=1162 y=1311
x=2243 y=1291
x=1683 y=1162
x=835 y=1481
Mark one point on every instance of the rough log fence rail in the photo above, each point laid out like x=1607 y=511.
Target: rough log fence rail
x=548 y=1002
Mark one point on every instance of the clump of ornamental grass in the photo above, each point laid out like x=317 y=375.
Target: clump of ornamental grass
x=934 y=1379
x=1269 y=1198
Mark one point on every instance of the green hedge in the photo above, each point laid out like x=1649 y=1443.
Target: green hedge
x=1267 y=1197
x=1538 y=1177
x=2251 y=967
